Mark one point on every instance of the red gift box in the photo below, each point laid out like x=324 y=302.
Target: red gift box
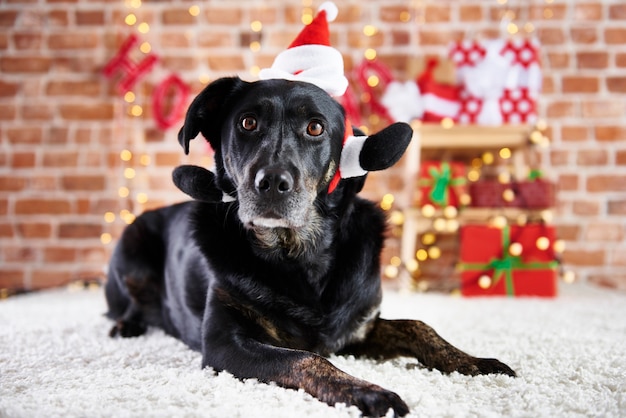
x=512 y=261
x=536 y=194
x=442 y=183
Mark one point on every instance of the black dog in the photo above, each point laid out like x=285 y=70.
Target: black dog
x=268 y=284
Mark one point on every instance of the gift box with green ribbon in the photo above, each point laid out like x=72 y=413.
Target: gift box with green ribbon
x=533 y=193
x=442 y=183
x=512 y=261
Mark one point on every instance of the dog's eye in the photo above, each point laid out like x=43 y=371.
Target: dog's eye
x=248 y=123
x=315 y=128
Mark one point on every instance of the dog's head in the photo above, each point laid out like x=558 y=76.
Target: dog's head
x=277 y=146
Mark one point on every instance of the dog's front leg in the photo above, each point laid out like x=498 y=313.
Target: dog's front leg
x=297 y=369
x=393 y=338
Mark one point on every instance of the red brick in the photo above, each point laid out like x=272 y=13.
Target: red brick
x=100 y=111
x=25 y=135
x=620 y=59
x=593 y=60
x=40 y=112
x=592 y=157
x=609 y=133
x=8 y=89
x=43 y=279
x=8 y=18
x=224 y=15
x=34 y=64
x=60 y=159
x=616 y=84
x=216 y=38
x=557 y=59
x=616 y=207
x=606 y=183
x=6 y=230
x=27 y=40
x=470 y=13
x=586 y=207
x=610 y=108
x=59 y=254
x=174 y=40
x=12 y=183
x=568 y=182
x=604 y=231
x=584 y=257
x=34 y=230
x=7 y=111
x=42 y=207
x=584 y=35
x=614 y=36
x=19 y=254
x=226 y=62
x=438 y=37
x=79 y=230
x=58 y=18
x=574 y=133
x=74 y=88
x=620 y=157
x=436 y=13
x=551 y=36
x=73 y=40
x=548 y=12
x=588 y=11
x=83 y=182
x=11 y=278
x=559 y=157
x=617 y=11
x=580 y=84
x=173 y=16
x=561 y=109
x=90 y=17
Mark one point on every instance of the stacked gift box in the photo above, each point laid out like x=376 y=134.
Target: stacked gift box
x=511 y=257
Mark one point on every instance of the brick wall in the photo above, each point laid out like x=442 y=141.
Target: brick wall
x=64 y=125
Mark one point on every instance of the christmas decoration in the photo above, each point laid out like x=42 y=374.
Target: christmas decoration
x=310 y=57
x=500 y=80
x=442 y=183
x=133 y=72
x=440 y=101
x=512 y=260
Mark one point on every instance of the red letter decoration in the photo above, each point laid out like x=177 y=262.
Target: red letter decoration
x=132 y=71
x=179 y=99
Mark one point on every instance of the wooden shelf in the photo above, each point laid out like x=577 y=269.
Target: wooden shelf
x=433 y=136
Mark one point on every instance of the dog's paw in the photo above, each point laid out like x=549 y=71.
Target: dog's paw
x=128 y=329
x=486 y=366
x=374 y=401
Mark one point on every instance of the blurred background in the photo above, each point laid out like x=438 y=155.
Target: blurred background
x=92 y=93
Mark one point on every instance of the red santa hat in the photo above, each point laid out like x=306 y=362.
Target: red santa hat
x=310 y=57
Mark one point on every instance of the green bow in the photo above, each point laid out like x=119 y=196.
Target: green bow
x=440 y=192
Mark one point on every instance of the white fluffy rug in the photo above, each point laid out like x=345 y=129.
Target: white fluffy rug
x=56 y=360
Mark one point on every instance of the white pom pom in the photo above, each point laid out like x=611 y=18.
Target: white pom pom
x=331 y=10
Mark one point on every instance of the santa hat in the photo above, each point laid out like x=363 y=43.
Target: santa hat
x=310 y=57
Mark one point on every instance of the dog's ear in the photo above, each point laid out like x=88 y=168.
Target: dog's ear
x=197 y=182
x=363 y=153
x=204 y=113
x=384 y=148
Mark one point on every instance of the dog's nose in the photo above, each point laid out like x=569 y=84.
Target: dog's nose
x=274 y=181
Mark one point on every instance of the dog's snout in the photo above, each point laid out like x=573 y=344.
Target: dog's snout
x=273 y=181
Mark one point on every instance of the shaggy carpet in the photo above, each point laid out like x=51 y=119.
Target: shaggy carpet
x=56 y=360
